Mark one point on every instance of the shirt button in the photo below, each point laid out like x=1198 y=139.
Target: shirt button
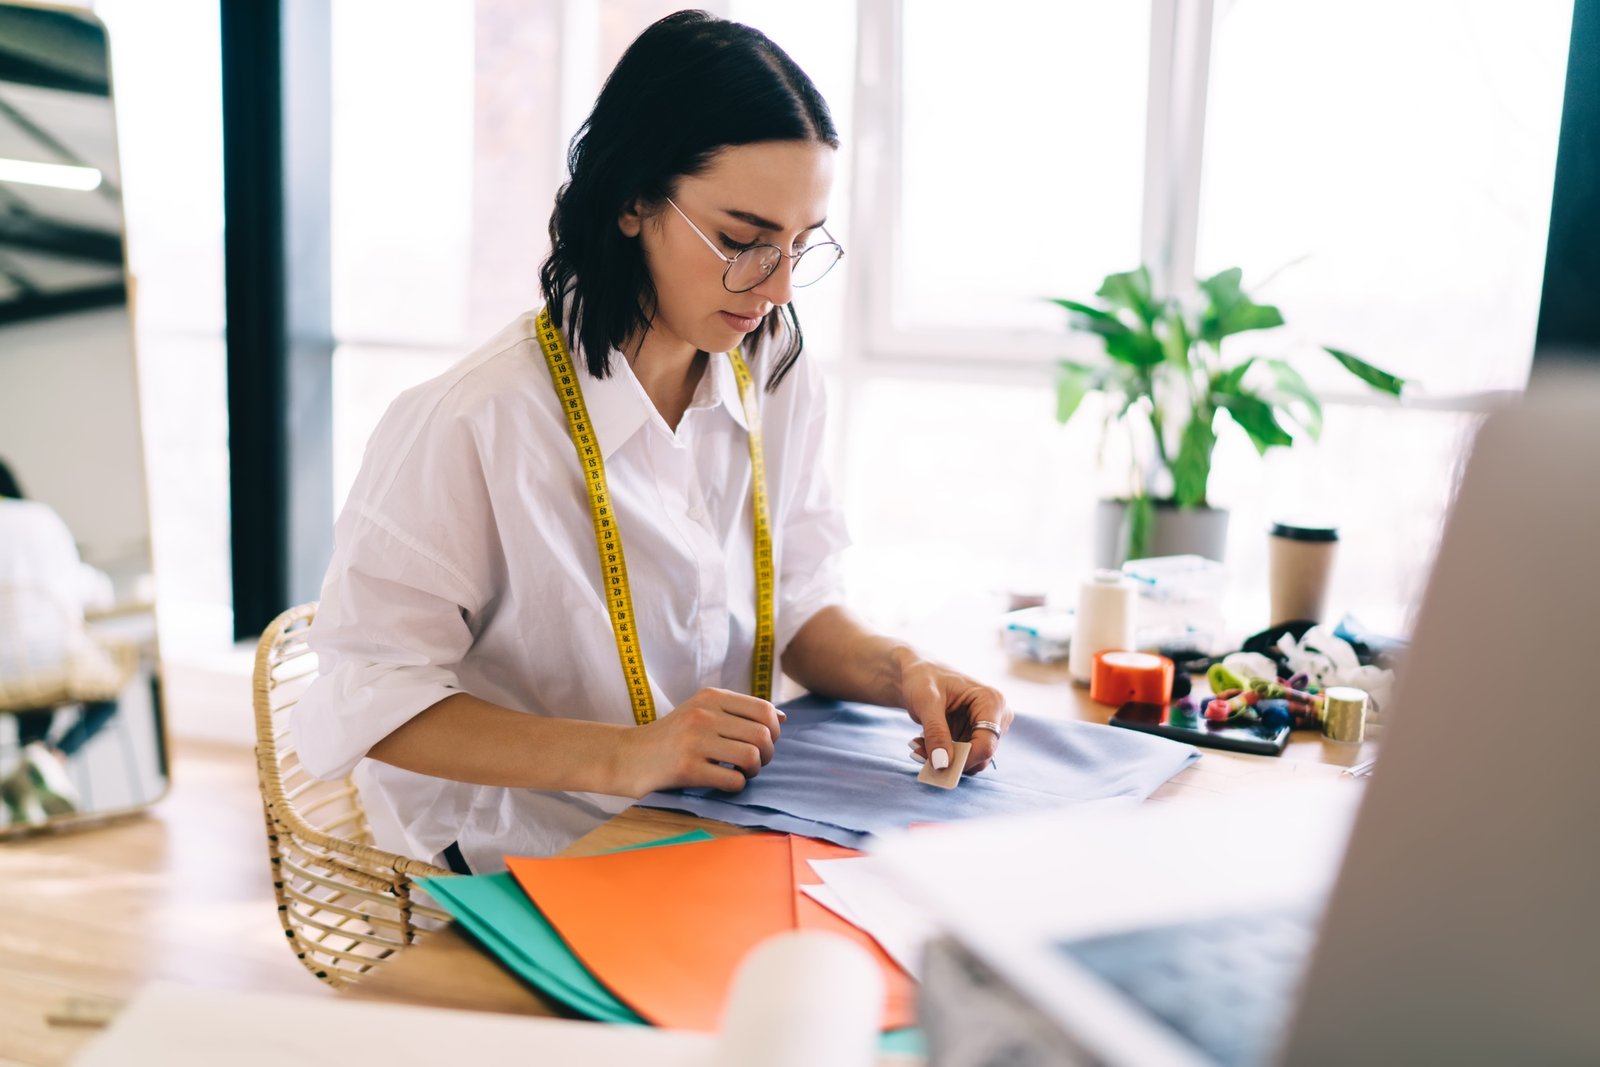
x=696 y=514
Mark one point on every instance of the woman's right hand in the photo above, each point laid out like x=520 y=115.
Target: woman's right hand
x=717 y=739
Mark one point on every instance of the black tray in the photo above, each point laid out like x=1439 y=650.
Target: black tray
x=1235 y=737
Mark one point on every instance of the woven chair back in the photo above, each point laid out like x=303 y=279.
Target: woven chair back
x=47 y=656
x=345 y=905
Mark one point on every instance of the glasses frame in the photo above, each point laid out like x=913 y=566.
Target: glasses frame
x=793 y=257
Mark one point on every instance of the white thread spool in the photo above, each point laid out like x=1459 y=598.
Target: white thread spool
x=1104 y=621
x=803 y=999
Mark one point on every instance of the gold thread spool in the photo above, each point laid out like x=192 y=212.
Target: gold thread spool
x=1344 y=713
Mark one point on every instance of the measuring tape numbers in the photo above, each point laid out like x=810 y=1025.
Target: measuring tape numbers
x=608 y=537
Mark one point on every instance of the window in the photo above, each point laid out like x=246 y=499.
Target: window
x=1399 y=179
x=168 y=94
x=1021 y=159
x=1403 y=149
x=401 y=211
x=1396 y=158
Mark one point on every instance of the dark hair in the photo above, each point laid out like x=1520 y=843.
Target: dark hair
x=8 y=483
x=690 y=85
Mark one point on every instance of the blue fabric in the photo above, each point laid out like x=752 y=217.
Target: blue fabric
x=842 y=772
x=713 y=807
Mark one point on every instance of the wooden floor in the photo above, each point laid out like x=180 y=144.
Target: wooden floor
x=181 y=893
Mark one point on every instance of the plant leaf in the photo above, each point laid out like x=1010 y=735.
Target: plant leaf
x=1381 y=380
x=1137 y=348
x=1084 y=309
x=1225 y=287
x=1130 y=289
x=1229 y=381
x=1176 y=340
x=1191 y=468
x=1135 y=345
x=1074 y=381
x=1291 y=384
x=1256 y=418
x=1230 y=310
x=1090 y=319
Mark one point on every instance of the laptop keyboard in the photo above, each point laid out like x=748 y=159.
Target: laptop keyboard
x=1225 y=984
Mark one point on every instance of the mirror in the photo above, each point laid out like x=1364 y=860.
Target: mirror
x=82 y=735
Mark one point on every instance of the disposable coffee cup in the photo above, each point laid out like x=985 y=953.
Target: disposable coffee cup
x=1301 y=561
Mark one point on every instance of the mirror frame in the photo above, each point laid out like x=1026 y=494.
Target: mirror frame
x=157 y=667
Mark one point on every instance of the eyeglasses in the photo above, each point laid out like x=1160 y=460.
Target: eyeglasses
x=755 y=264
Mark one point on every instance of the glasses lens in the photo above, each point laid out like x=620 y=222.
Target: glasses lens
x=751 y=267
x=814 y=262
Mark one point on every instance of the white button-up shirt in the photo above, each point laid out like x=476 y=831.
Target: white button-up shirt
x=465 y=561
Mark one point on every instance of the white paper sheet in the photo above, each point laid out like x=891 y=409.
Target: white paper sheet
x=857 y=893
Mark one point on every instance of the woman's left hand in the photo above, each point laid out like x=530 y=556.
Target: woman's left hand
x=950 y=707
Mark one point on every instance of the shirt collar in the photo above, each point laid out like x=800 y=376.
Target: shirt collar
x=618 y=405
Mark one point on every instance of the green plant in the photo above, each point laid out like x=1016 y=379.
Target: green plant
x=1166 y=380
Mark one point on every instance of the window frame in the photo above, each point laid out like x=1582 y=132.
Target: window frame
x=1180 y=51
x=1174 y=126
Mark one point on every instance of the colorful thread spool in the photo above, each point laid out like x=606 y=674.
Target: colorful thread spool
x=1219 y=678
x=1274 y=715
x=1240 y=705
x=1121 y=677
x=1304 y=705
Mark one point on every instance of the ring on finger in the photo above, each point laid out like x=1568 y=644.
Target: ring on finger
x=985 y=724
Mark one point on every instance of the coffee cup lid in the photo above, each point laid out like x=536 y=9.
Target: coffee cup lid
x=1304 y=532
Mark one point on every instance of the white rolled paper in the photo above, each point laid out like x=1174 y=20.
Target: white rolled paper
x=803 y=999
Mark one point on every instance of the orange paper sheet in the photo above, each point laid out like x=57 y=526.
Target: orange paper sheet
x=665 y=929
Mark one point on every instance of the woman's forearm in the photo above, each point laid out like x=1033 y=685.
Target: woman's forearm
x=836 y=655
x=466 y=739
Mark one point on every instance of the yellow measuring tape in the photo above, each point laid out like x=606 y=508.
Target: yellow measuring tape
x=608 y=539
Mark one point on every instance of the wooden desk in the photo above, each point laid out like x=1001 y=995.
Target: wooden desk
x=447 y=969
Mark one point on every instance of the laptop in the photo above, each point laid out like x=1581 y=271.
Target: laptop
x=1447 y=912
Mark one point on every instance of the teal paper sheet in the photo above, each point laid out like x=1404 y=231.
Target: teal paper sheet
x=495 y=910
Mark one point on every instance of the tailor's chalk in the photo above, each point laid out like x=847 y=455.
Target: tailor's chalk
x=950 y=777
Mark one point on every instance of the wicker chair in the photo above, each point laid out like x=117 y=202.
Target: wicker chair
x=345 y=905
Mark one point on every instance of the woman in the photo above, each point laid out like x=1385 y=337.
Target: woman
x=496 y=639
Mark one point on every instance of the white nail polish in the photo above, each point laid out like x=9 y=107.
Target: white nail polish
x=919 y=757
x=940 y=758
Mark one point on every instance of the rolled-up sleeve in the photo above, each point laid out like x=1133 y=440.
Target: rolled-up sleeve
x=812 y=526
x=388 y=635
x=412 y=563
